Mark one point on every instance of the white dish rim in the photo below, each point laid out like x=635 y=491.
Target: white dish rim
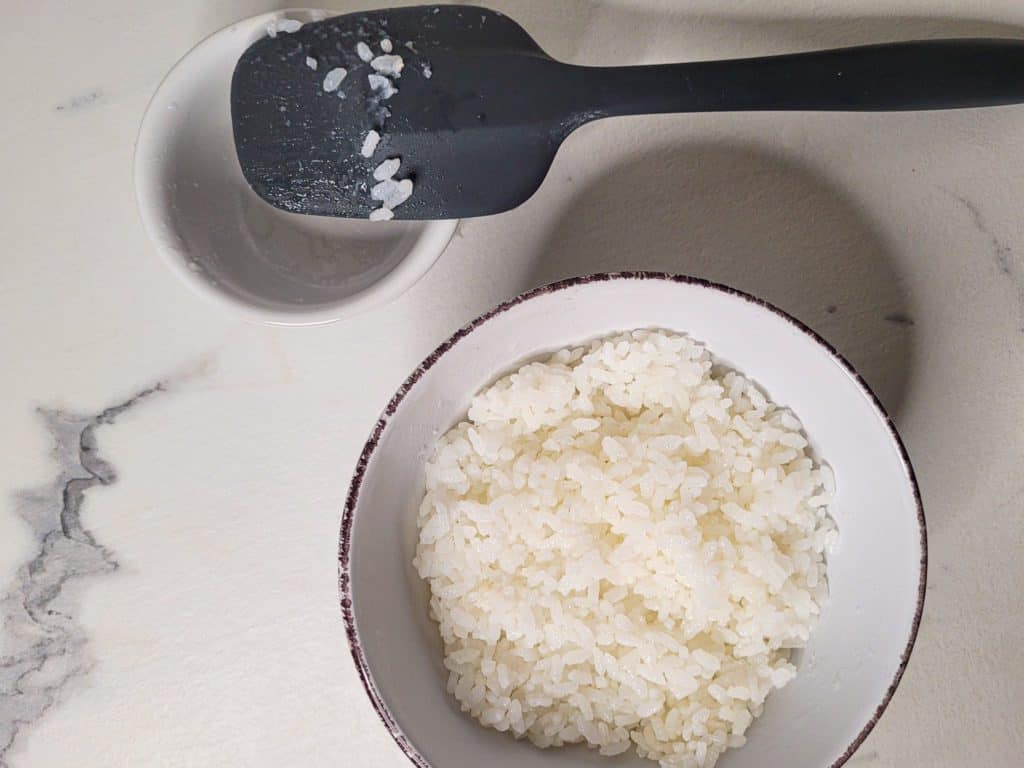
x=424 y=252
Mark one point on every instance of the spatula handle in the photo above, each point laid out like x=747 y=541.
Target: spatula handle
x=930 y=74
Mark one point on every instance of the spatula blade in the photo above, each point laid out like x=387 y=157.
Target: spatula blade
x=466 y=122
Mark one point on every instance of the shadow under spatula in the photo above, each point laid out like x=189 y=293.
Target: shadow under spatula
x=755 y=222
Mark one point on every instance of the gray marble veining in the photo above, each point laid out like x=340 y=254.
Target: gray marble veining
x=1001 y=250
x=43 y=645
x=80 y=101
x=899 y=318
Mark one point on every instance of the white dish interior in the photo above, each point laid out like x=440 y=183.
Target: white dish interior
x=225 y=242
x=876 y=576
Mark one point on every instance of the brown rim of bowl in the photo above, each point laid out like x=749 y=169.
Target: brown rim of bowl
x=345 y=542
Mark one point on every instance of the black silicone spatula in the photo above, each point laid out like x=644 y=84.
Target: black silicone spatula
x=480 y=109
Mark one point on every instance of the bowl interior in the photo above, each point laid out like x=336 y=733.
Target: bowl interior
x=219 y=235
x=857 y=650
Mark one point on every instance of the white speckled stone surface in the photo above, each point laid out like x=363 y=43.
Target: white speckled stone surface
x=171 y=479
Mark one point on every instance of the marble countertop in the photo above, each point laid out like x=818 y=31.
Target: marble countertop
x=172 y=478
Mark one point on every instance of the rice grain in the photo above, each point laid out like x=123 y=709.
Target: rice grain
x=622 y=545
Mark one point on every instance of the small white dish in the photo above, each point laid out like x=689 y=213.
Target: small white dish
x=230 y=246
x=863 y=639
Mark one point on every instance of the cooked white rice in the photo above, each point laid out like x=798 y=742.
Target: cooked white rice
x=334 y=78
x=382 y=86
x=390 y=64
x=392 y=193
x=387 y=169
x=363 y=52
x=622 y=544
x=288 y=26
x=370 y=142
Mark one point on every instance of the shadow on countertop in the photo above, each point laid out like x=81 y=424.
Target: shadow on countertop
x=590 y=31
x=744 y=217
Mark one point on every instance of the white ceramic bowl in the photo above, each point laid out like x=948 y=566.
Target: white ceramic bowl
x=863 y=639
x=230 y=246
